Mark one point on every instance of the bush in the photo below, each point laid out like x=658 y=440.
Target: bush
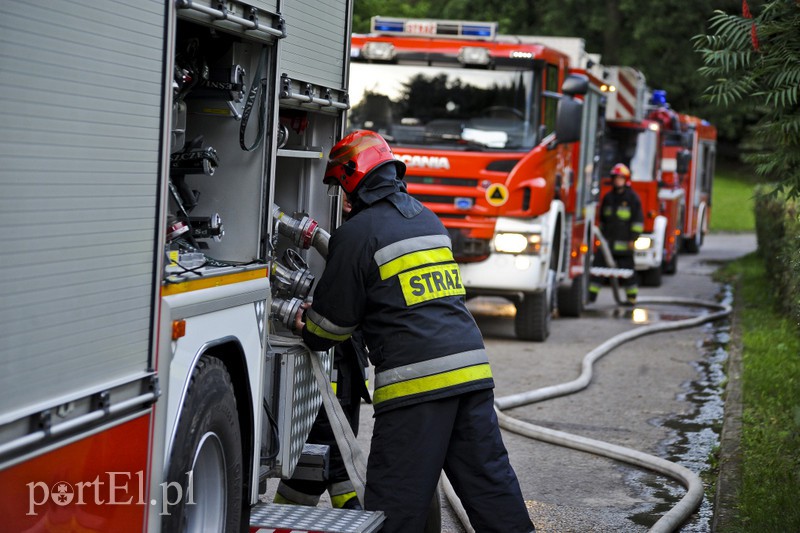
x=778 y=234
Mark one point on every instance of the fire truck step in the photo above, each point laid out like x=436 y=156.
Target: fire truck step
x=269 y=517
x=603 y=272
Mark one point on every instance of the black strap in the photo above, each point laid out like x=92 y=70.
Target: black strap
x=258 y=86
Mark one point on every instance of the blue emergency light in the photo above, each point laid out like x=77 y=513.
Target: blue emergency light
x=454 y=29
x=659 y=97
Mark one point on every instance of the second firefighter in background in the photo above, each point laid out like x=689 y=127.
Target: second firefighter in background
x=621 y=223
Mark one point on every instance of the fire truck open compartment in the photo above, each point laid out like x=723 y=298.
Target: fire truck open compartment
x=217 y=188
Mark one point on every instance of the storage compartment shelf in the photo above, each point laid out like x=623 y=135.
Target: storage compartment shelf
x=303 y=153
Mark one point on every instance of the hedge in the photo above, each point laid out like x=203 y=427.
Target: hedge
x=778 y=234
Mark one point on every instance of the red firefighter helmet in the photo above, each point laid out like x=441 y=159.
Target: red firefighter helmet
x=355 y=156
x=621 y=170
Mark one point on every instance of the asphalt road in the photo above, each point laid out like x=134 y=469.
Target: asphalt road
x=658 y=394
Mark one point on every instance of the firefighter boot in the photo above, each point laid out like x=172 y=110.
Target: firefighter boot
x=594 y=290
x=631 y=294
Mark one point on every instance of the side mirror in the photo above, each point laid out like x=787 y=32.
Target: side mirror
x=575 y=84
x=568 y=120
x=683 y=159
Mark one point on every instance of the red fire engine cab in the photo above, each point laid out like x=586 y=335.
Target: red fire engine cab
x=499 y=135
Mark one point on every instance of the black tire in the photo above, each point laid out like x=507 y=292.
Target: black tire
x=671 y=267
x=532 y=322
x=691 y=246
x=207 y=444
x=572 y=297
x=434 y=522
x=650 y=277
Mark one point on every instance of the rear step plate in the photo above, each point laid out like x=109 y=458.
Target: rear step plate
x=275 y=517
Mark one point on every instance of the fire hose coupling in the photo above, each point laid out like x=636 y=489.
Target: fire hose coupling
x=287 y=283
x=285 y=311
x=304 y=233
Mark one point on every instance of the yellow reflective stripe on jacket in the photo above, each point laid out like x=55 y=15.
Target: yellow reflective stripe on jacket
x=322 y=327
x=415 y=259
x=432 y=383
x=624 y=212
x=637 y=227
x=337 y=502
x=406 y=246
x=432 y=282
x=319 y=331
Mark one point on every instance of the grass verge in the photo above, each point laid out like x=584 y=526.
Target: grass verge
x=770 y=444
x=732 y=199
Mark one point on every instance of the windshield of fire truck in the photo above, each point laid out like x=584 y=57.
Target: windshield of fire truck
x=445 y=107
x=633 y=147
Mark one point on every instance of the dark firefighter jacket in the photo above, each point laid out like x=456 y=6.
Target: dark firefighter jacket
x=391 y=273
x=621 y=219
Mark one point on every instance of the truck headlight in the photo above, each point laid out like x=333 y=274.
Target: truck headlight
x=643 y=243
x=517 y=243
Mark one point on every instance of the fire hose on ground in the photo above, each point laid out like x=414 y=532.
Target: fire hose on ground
x=694 y=486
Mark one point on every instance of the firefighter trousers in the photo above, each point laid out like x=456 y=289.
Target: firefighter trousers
x=410 y=447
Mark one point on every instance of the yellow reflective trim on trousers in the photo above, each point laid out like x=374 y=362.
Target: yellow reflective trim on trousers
x=415 y=259
x=279 y=498
x=432 y=282
x=321 y=332
x=432 y=383
x=338 y=501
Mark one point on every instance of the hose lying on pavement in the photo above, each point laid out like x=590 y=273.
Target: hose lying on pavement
x=694 y=485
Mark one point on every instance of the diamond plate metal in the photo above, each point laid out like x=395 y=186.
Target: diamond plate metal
x=301 y=401
x=302 y=518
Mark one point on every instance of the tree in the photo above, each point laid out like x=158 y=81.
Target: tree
x=754 y=63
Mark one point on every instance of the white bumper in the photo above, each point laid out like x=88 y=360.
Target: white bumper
x=506 y=272
x=512 y=273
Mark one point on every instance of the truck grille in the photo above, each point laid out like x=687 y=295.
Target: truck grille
x=438 y=180
x=466 y=249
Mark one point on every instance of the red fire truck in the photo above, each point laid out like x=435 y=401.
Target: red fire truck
x=641 y=133
x=488 y=126
x=695 y=169
x=160 y=187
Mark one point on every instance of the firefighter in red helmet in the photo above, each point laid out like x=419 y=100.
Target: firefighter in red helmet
x=621 y=222
x=391 y=274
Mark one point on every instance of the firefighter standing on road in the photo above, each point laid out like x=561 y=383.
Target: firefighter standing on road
x=621 y=222
x=391 y=274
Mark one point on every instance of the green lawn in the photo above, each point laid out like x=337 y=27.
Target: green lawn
x=732 y=199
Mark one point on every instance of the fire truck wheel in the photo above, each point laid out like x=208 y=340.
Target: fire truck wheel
x=205 y=465
x=572 y=297
x=650 y=277
x=532 y=322
x=671 y=266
